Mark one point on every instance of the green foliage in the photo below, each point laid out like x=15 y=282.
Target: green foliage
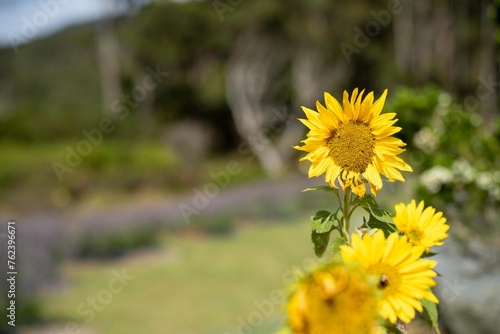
x=51 y=89
x=388 y=228
x=320 y=241
x=48 y=94
x=335 y=245
x=380 y=218
x=109 y=244
x=322 y=222
x=456 y=155
x=27 y=177
x=430 y=314
x=414 y=108
x=28 y=312
x=429 y=254
x=369 y=203
x=324 y=188
x=219 y=225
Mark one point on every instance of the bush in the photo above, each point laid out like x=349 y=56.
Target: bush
x=113 y=243
x=456 y=160
x=218 y=224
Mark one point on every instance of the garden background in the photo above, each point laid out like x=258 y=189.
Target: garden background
x=146 y=153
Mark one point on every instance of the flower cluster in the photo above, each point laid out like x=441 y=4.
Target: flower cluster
x=380 y=275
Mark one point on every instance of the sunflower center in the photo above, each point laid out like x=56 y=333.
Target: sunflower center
x=351 y=146
x=389 y=278
x=414 y=236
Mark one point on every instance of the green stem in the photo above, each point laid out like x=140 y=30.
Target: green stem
x=347 y=214
x=352 y=210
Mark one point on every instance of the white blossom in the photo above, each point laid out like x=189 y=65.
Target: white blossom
x=434 y=178
x=463 y=171
x=484 y=180
x=426 y=140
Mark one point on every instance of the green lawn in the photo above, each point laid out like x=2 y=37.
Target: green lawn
x=191 y=285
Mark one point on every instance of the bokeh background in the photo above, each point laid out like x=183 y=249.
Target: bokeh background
x=146 y=153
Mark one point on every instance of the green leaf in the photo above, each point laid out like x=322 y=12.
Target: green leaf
x=369 y=204
x=324 y=221
x=430 y=254
x=373 y=222
x=321 y=222
x=379 y=217
x=320 y=241
x=430 y=314
x=365 y=223
x=336 y=243
x=338 y=215
x=324 y=188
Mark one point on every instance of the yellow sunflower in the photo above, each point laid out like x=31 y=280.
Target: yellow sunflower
x=335 y=299
x=353 y=143
x=404 y=279
x=424 y=228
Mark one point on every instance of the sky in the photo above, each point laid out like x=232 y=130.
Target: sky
x=22 y=21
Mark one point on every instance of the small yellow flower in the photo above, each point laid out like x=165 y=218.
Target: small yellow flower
x=403 y=278
x=424 y=228
x=332 y=300
x=353 y=143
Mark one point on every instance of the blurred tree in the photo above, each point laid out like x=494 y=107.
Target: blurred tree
x=299 y=48
x=108 y=49
x=270 y=57
x=108 y=56
x=451 y=42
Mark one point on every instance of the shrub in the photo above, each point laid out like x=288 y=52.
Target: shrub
x=457 y=160
x=108 y=243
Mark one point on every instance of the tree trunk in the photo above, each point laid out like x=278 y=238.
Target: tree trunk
x=249 y=75
x=108 y=60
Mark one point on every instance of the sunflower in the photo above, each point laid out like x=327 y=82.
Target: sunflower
x=334 y=299
x=403 y=278
x=353 y=143
x=424 y=228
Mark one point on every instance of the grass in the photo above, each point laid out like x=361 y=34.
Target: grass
x=191 y=285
